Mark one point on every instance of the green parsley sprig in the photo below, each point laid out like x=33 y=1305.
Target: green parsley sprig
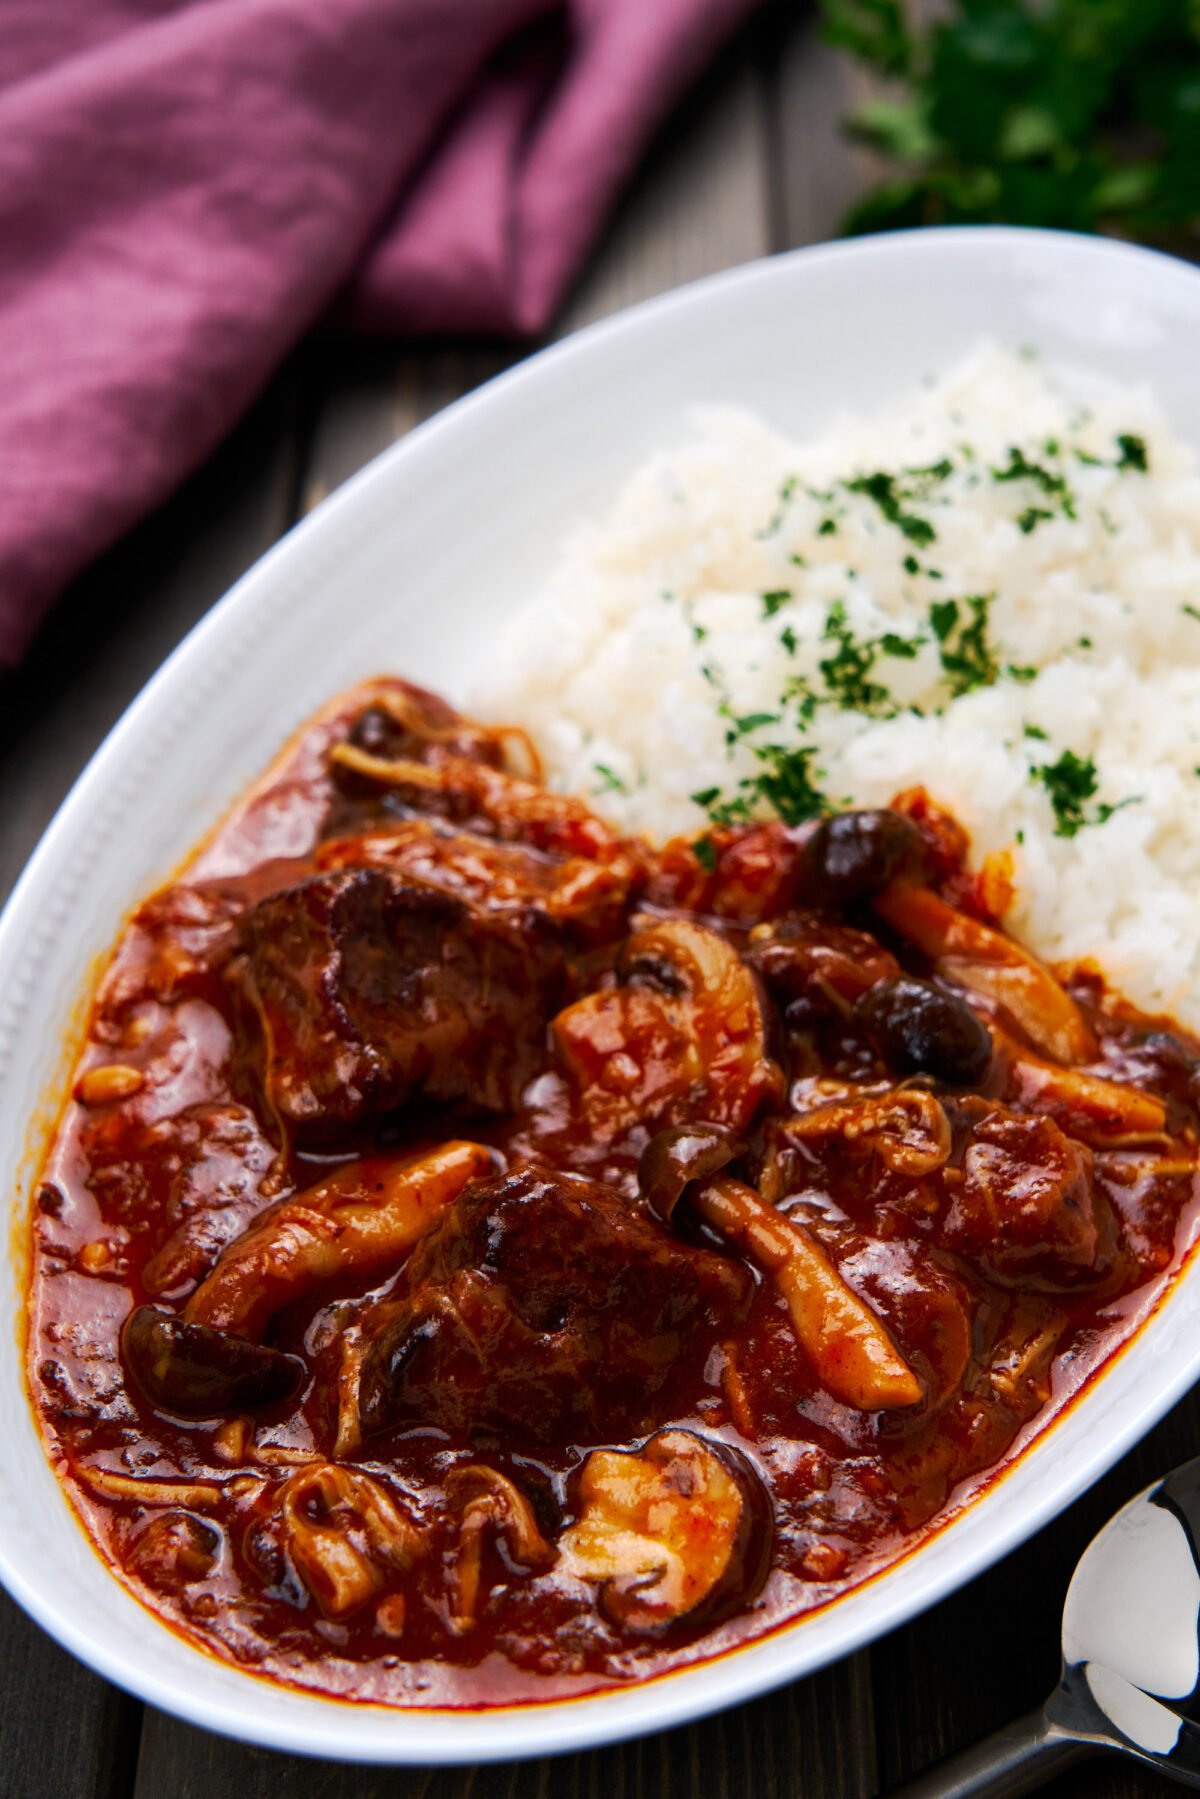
x=1081 y=114
x=1072 y=784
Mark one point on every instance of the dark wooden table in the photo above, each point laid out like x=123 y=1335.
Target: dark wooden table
x=753 y=164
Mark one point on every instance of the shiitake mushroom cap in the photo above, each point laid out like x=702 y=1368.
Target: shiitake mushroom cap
x=194 y=1371
x=683 y=1461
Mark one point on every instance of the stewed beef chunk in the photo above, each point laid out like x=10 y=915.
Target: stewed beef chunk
x=364 y=991
x=543 y=1302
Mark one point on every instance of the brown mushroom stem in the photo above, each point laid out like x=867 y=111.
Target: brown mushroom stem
x=853 y=1351
x=974 y=956
x=365 y=1217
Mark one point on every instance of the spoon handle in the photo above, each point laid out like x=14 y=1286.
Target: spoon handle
x=1014 y=1759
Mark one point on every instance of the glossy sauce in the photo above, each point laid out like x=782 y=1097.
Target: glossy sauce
x=1009 y=1232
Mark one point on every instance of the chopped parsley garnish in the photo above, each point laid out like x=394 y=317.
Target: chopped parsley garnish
x=789 y=640
x=827 y=527
x=705 y=852
x=911 y=565
x=933 y=472
x=882 y=489
x=1192 y=611
x=1036 y=732
x=754 y=721
x=1071 y=783
x=943 y=616
x=905 y=647
x=706 y=796
x=800 y=693
x=1032 y=517
x=968 y=658
x=776 y=519
x=609 y=782
x=1020 y=671
x=1132 y=452
x=847 y=671
x=774 y=599
x=1053 y=485
x=787 y=784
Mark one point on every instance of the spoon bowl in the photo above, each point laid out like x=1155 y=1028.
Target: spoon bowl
x=1131 y=1659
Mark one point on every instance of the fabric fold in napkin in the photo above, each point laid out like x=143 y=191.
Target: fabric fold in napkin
x=187 y=185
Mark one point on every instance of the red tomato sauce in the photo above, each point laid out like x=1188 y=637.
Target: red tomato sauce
x=486 y=1259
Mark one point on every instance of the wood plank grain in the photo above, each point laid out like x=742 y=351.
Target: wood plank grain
x=370 y=394
x=113 y=628
x=820 y=172
x=64 y=1732
x=793 y=1745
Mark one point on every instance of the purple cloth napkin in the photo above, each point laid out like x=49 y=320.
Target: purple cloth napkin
x=187 y=185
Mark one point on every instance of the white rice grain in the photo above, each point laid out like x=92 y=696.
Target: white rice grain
x=653 y=639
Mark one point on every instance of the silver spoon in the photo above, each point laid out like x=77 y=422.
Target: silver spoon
x=1131 y=1659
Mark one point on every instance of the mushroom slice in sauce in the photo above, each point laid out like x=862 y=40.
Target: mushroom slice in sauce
x=492 y=1506
x=677 y=1530
x=1108 y=1114
x=361 y=1219
x=907 y=1129
x=974 y=956
x=687 y=1018
x=344 y=1534
x=851 y=1348
x=675 y=1158
x=197 y=1372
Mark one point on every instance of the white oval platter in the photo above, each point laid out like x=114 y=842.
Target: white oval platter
x=412 y=567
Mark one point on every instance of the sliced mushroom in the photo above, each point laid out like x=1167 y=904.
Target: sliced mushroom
x=906 y=1128
x=197 y=1372
x=344 y=1534
x=1105 y=1113
x=685 y=1034
x=676 y=1157
x=401 y=714
x=974 y=956
x=363 y=1218
x=849 y=1345
x=679 y=1530
x=500 y=804
x=492 y=1506
x=174 y=1550
x=143 y=1490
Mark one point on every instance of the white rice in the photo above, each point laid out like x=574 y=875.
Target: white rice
x=607 y=667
